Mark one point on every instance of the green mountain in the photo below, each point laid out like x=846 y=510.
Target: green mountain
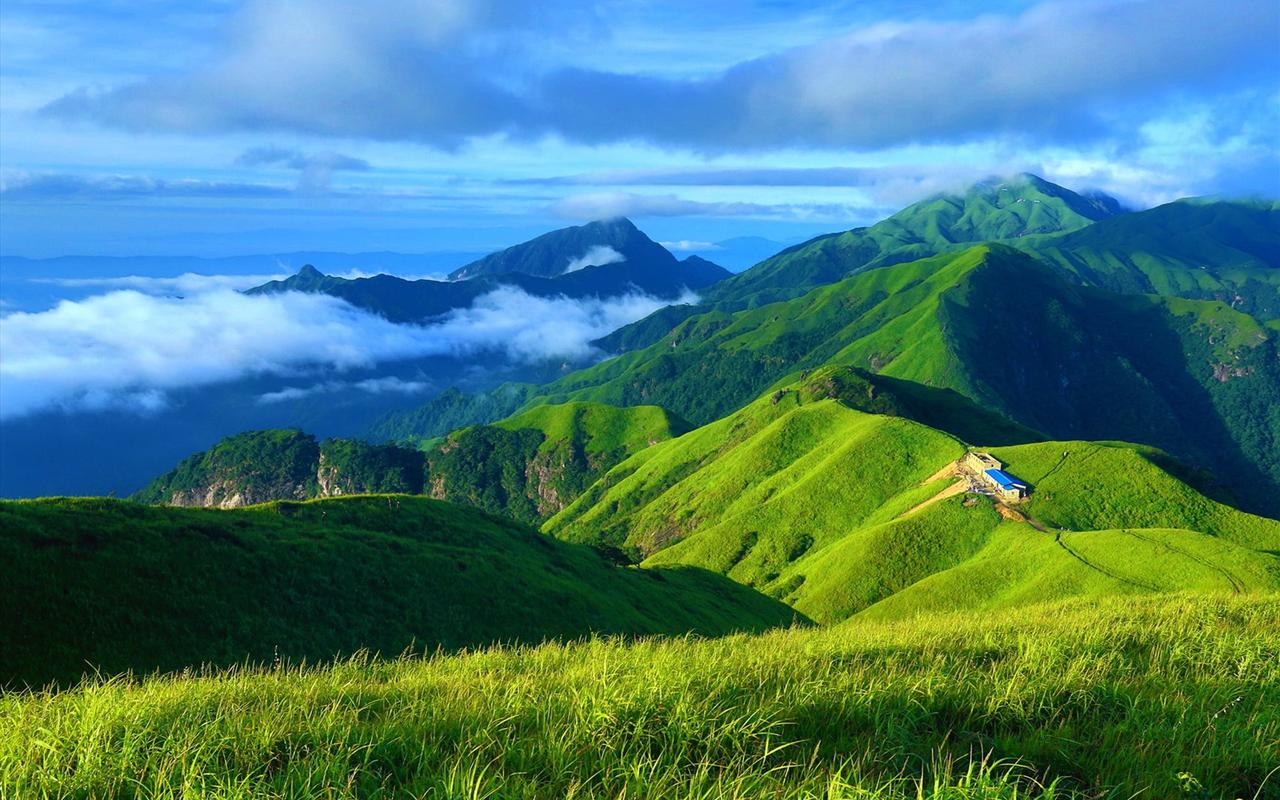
x=95 y=584
x=607 y=259
x=837 y=511
x=526 y=467
x=1005 y=331
x=260 y=466
x=992 y=210
x=1198 y=249
x=533 y=464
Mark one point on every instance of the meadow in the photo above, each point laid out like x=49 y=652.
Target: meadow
x=1172 y=696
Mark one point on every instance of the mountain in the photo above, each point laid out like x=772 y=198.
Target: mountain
x=839 y=512
x=1008 y=333
x=568 y=249
x=992 y=210
x=526 y=467
x=532 y=465
x=261 y=466
x=538 y=267
x=1198 y=249
x=94 y=584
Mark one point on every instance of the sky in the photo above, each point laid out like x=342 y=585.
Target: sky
x=217 y=128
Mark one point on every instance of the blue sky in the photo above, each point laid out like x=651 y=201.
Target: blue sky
x=222 y=128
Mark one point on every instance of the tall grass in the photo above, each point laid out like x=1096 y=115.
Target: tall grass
x=1154 y=697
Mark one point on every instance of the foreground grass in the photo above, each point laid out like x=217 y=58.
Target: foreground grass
x=1077 y=700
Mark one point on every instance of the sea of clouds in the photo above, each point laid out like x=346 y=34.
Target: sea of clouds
x=127 y=349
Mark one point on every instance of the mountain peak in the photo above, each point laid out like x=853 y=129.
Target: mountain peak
x=309 y=271
x=551 y=254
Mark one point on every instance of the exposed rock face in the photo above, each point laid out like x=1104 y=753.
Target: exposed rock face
x=262 y=466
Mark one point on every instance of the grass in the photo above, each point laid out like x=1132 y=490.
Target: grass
x=815 y=503
x=533 y=464
x=97 y=584
x=1163 y=697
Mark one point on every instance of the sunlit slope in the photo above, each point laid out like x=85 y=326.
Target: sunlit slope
x=988 y=211
x=533 y=464
x=96 y=584
x=834 y=510
x=1199 y=249
x=1194 y=377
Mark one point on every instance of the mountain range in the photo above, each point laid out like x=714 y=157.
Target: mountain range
x=600 y=259
x=802 y=431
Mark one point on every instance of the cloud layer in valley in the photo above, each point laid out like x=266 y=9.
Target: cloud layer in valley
x=127 y=349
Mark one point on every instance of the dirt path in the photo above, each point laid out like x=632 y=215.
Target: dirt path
x=1014 y=515
x=952 y=490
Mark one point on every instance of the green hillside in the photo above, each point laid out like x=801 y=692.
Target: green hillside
x=261 y=466
x=993 y=325
x=532 y=465
x=1198 y=249
x=994 y=210
x=96 y=584
x=1168 y=697
x=834 y=511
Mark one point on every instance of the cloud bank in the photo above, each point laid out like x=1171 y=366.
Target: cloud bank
x=130 y=350
x=596 y=256
x=431 y=72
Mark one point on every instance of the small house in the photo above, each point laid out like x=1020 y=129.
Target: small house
x=1007 y=486
x=979 y=463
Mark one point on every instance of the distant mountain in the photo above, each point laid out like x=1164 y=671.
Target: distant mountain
x=97 y=584
x=994 y=210
x=1199 y=249
x=569 y=249
x=837 y=512
x=638 y=265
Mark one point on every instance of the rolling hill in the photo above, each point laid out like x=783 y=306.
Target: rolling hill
x=526 y=467
x=96 y=584
x=837 y=512
x=1009 y=333
x=260 y=466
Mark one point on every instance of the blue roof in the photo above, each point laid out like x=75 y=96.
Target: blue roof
x=1004 y=480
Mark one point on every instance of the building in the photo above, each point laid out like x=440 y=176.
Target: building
x=1006 y=486
x=979 y=463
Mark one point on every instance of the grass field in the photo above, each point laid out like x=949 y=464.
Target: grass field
x=96 y=584
x=1176 y=696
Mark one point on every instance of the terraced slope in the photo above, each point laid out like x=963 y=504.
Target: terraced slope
x=828 y=508
x=96 y=584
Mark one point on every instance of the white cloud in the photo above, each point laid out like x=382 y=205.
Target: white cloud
x=389 y=384
x=610 y=205
x=450 y=72
x=688 y=246
x=128 y=349
x=186 y=283
x=597 y=256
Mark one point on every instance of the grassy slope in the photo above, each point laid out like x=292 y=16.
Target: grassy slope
x=598 y=428
x=816 y=503
x=1017 y=208
x=1196 y=378
x=1124 y=693
x=124 y=586
x=533 y=464
x=1190 y=248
